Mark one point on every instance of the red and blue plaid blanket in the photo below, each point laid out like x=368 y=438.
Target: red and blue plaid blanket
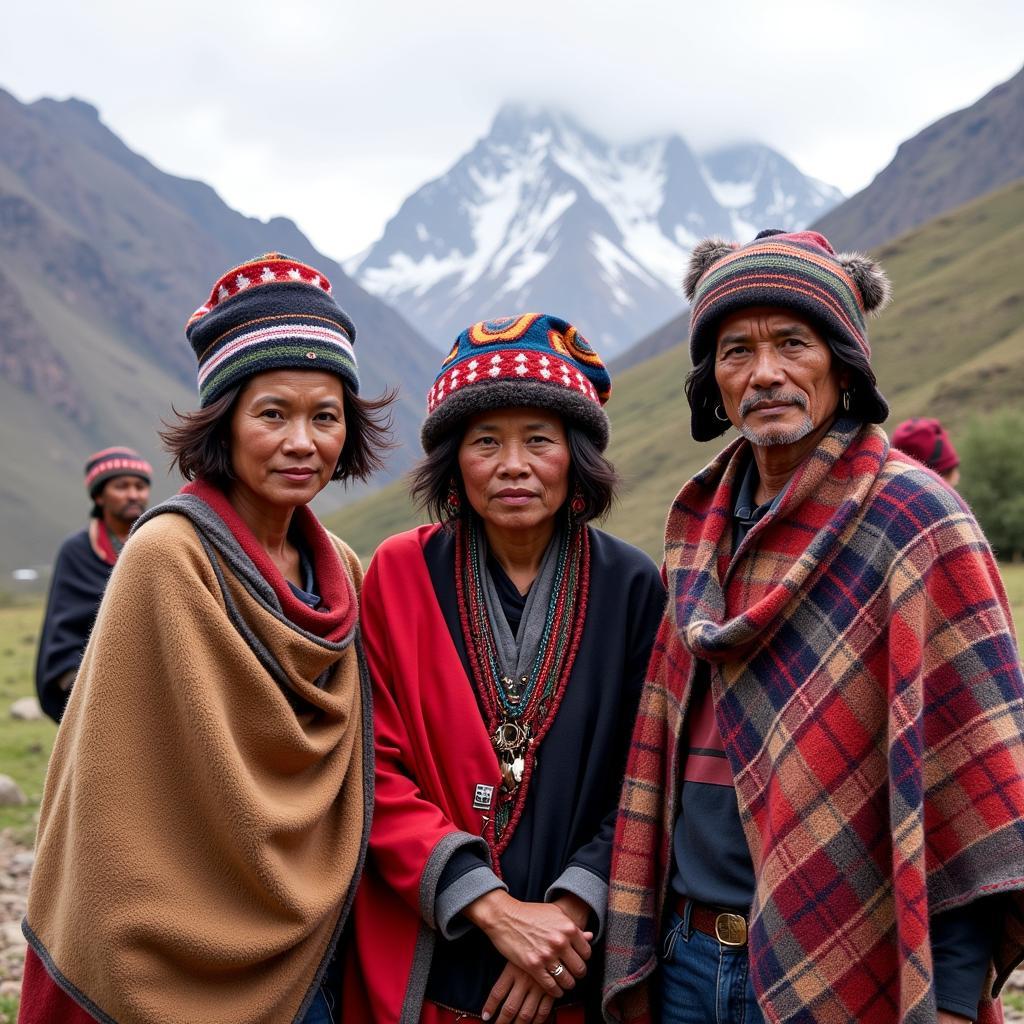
x=868 y=689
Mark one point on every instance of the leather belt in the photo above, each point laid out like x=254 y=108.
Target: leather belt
x=728 y=928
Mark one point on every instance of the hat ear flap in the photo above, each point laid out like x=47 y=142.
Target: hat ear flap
x=870 y=279
x=704 y=254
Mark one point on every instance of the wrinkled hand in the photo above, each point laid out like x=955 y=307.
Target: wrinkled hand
x=577 y=910
x=523 y=998
x=534 y=937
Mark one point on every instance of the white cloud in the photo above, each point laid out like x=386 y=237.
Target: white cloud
x=332 y=114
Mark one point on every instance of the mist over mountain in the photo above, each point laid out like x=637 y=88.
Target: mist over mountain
x=961 y=157
x=544 y=215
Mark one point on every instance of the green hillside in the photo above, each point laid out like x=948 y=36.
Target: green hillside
x=105 y=257
x=43 y=452
x=951 y=345
x=960 y=157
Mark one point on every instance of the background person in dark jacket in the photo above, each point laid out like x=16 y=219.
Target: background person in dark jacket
x=118 y=483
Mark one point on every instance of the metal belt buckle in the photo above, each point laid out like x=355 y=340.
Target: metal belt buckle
x=731 y=930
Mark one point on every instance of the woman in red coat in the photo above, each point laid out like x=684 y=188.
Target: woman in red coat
x=507 y=648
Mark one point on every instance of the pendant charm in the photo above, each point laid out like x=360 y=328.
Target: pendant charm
x=511 y=741
x=509 y=737
x=512 y=690
x=508 y=779
x=482 y=797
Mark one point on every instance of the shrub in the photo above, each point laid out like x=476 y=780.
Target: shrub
x=992 y=479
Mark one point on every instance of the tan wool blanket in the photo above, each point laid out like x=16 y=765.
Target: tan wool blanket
x=207 y=804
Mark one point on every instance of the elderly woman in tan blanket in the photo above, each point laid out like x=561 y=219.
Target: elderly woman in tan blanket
x=207 y=806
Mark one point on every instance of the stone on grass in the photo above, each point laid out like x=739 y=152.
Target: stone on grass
x=27 y=709
x=10 y=793
x=11 y=936
x=21 y=863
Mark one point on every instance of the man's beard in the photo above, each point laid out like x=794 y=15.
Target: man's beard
x=128 y=514
x=768 y=436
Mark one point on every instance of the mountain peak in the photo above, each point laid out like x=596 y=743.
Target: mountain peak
x=527 y=124
x=72 y=105
x=542 y=213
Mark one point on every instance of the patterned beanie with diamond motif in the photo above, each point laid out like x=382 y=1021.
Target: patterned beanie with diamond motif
x=517 y=361
x=271 y=313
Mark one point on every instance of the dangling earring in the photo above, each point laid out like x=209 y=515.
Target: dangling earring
x=846 y=401
x=452 y=501
x=720 y=414
x=577 y=503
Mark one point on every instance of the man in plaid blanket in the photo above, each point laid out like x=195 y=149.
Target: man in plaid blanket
x=823 y=814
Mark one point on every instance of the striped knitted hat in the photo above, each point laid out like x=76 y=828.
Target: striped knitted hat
x=798 y=271
x=517 y=361
x=111 y=462
x=271 y=313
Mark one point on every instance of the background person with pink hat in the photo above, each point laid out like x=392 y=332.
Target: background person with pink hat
x=927 y=441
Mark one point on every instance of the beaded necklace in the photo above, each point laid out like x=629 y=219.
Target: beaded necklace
x=520 y=711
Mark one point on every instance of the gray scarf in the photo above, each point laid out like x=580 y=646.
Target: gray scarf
x=516 y=654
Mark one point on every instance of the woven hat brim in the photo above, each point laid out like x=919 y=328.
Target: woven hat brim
x=513 y=394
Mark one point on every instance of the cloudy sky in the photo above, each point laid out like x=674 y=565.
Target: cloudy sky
x=332 y=112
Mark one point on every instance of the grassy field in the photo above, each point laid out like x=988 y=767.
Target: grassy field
x=24 y=746
x=1013 y=577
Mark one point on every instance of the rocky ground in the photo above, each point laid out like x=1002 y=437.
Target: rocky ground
x=1013 y=998
x=1014 y=988
x=16 y=866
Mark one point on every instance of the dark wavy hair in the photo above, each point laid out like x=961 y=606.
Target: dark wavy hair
x=431 y=477
x=704 y=397
x=200 y=442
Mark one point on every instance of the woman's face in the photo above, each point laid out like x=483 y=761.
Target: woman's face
x=515 y=467
x=287 y=432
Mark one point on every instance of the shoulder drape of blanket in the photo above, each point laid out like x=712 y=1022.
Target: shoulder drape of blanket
x=199 y=837
x=79 y=579
x=868 y=691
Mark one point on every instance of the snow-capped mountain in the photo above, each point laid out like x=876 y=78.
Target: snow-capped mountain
x=544 y=216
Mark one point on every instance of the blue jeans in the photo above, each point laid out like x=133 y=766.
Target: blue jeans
x=702 y=981
x=319 y=1011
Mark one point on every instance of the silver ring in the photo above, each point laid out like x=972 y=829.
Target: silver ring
x=556 y=971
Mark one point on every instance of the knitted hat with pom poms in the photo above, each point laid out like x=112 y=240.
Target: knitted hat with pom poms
x=798 y=271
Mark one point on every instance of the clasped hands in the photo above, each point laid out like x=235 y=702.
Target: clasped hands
x=534 y=938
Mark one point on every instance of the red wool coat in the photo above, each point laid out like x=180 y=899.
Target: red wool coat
x=414 y=821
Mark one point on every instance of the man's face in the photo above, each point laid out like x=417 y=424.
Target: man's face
x=776 y=375
x=123 y=499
